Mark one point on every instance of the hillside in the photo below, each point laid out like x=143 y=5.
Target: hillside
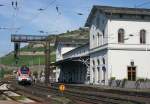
x=28 y=59
x=81 y=33
x=36 y=52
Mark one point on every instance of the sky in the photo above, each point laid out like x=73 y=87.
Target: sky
x=30 y=17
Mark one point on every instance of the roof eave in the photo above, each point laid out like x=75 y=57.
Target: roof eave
x=88 y=22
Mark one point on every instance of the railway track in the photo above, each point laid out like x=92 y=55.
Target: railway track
x=129 y=92
x=97 y=97
x=10 y=95
x=87 y=96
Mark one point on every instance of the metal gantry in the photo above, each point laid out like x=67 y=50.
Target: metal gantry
x=17 y=39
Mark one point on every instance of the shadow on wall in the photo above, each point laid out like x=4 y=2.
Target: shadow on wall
x=74 y=72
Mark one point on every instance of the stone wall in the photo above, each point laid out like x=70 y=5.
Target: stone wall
x=130 y=84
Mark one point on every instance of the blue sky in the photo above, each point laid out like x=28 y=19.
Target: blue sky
x=30 y=20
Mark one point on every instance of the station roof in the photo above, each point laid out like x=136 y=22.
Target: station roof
x=70 y=59
x=84 y=45
x=117 y=10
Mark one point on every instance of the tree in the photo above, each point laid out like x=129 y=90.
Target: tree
x=35 y=73
x=2 y=73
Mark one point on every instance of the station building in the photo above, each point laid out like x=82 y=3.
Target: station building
x=64 y=67
x=119 y=47
x=119 y=43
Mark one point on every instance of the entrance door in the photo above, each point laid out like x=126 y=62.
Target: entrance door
x=131 y=73
x=104 y=74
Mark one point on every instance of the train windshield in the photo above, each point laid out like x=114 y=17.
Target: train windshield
x=24 y=70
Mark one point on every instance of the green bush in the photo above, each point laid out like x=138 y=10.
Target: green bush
x=112 y=78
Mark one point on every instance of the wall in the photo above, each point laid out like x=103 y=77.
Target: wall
x=120 y=59
x=77 y=52
x=98 y=76
x=130 y=27
x=61 y=49
x=119 y=55
x=100 y=27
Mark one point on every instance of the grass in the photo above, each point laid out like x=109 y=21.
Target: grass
x=28 y=60
x=3 y=97
x=61 y=100
x=38 y=49
x=16 y=98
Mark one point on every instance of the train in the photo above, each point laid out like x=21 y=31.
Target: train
x=24 y=75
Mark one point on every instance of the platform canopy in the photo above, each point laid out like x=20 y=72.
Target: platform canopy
x=71 y=59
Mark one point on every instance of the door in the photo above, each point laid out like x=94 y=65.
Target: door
x=131 y=73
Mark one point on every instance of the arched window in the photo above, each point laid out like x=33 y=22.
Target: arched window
x=104 y=73
x=98 y=70
x=98 y=39
x=93 y=63
x=103 y=60
x=121 y=36
x=98 y=62
x=142 y=36
x=93 y=37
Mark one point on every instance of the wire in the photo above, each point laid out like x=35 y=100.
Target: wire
x=41 y=10
x=74 y=12
x=14 y=5
x=139 y=5
x=36 y=16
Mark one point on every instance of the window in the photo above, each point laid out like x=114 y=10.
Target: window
x=98 y=39
x=104 y=73
x=121 y=36
x=142 y=16
x=93 y=74
x=142 y=36
x=93 y=37
x=98 y=62
x=131 y=73
x=24 y=70
x=98 y=70
x=103 y=60
x=120 y=15
x=103 y=33
x=93 y=63
x=99 y=76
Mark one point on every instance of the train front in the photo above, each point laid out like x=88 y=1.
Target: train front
x=24 y=75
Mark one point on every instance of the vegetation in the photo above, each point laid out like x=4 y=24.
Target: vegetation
x=80 y=33
x=1 y=73
x=28 y=60
x=16 y=98
x=35 y=73
x=31 y=49
x=112 y=78
x=2 y=97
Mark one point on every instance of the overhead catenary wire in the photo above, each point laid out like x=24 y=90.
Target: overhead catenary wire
x=76 y=12
x=15 y=7
x=57 y=9
x=142 y=4
x=41 y=10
